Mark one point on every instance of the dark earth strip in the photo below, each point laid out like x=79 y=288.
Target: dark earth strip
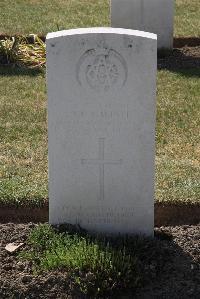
x=173 y=272
x=173 y=60
x=165 y=214
x=178 y=59
x=180 y=42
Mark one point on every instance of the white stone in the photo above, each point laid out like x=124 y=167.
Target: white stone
x=101 y=129
x=12 y=247
x=155 y=16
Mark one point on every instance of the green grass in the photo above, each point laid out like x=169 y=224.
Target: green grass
x=187 y=18
x=36 y=16
x=23 y=134
x=96 y=266
x=178 y=147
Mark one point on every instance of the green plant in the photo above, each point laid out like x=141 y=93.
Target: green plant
x=8 y=49
x=96 y=266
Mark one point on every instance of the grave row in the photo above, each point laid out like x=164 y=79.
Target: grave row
x=101 y=123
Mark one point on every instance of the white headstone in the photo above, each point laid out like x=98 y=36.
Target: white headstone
x=155 y=16
x=101 y=129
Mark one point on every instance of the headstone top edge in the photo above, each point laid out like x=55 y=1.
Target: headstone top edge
x=101 y=30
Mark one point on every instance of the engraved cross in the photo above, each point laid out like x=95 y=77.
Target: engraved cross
x=101 y=161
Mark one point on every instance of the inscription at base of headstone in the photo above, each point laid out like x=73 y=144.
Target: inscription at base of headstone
x=101 y=129
x=155 y=16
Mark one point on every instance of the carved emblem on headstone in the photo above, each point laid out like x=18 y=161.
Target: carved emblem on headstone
x=101 y=69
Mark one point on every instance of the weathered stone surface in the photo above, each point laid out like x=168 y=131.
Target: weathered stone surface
x=101 y=124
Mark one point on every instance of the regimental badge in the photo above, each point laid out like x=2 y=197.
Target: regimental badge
x=101 y=69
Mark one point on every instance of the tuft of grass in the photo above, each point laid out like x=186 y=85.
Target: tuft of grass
x=97 y=266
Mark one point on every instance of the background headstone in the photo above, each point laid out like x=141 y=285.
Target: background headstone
x=155 y=16
x=101 y=128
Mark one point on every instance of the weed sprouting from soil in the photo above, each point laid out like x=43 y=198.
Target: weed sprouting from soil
x=98 y=266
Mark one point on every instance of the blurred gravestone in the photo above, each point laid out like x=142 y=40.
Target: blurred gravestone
x=155 y=16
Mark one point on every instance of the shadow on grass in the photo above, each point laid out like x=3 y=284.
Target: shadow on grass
x=190 y=72
x=13 y=70
x=185 y=61
x=165 y=269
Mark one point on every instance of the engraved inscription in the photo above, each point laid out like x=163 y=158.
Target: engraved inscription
x=101 y=161
x=97 y=215
x=101 y=69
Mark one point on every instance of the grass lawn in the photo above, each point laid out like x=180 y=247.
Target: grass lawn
x=36 y=16
x=23 y=134
x=178 y=147
x=187 y=18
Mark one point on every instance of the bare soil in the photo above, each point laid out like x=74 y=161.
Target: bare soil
x=180 y=42
x=177 y=59
x=174 y=273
